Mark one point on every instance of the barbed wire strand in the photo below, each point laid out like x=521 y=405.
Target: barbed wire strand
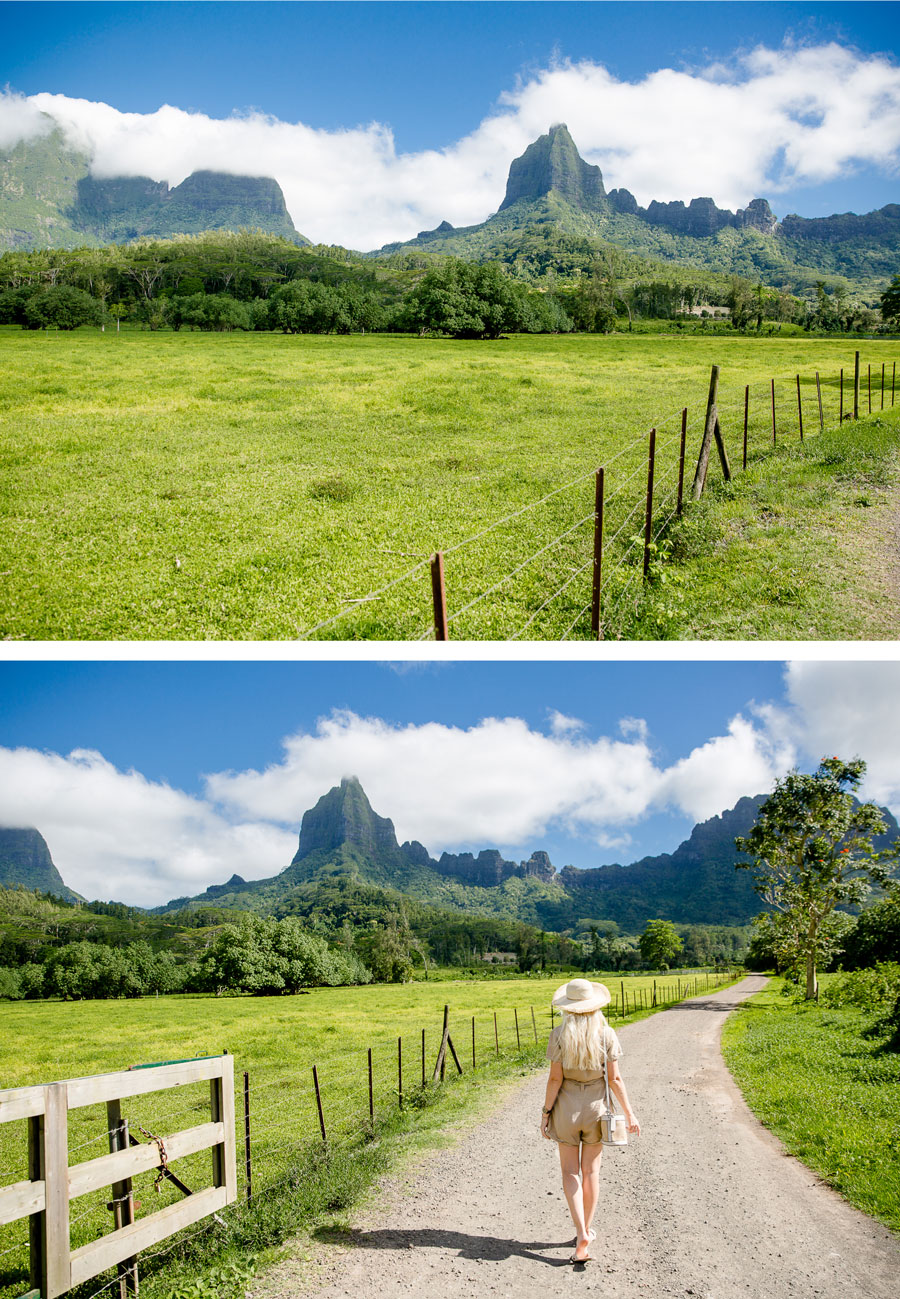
x=568 y=582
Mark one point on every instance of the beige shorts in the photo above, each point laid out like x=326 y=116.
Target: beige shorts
x=575 y=1116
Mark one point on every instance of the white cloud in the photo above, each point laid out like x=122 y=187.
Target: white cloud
x=115 y=834
x=500 y=781
x=769 y=120
x=852 y=710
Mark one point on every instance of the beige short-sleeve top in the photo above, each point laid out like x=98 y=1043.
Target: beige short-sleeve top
x=613 y=1051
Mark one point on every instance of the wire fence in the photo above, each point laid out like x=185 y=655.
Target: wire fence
x=574 y=562
x=282 y=1112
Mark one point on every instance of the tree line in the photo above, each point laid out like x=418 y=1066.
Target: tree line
x=223 y=281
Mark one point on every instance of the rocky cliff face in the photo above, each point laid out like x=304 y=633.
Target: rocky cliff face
x=25 y=859
x=700 y=218
x=344 y=816
x=553 y=165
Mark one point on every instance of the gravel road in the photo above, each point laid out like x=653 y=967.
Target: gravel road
x=704 y=1203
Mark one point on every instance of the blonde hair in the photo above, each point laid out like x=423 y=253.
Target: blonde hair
x=583 y=1040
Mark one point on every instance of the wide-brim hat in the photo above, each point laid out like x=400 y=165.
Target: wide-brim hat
x=580 y=997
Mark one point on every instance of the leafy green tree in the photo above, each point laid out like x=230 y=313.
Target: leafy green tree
x=812 y=851
x=890 y=301
x=659 y=944
x=467 y=300
x=875 y=936
x=62 y=306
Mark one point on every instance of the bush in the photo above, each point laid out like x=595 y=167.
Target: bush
x=62 y=307
x=877 y=988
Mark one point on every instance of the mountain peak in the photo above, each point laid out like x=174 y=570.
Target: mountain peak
x=344 y=816
x=553 y=163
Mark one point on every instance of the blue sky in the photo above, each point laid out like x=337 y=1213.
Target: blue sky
x=150 y=780
x=432 y=75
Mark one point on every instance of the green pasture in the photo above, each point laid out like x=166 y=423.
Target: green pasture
x=277 y=1040
x=258 y=486
x=826 y=1083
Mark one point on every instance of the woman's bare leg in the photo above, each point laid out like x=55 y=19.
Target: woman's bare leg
x=571 y=1178
x=590 y=1181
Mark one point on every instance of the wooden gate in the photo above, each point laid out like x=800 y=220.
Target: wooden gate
x=51 y=1184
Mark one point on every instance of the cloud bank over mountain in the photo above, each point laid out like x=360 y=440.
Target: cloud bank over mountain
x=768 y=121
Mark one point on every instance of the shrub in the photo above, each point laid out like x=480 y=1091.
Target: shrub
x=62 y=307
x=874 y=989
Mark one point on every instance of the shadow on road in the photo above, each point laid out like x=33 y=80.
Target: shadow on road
x=465 y=1246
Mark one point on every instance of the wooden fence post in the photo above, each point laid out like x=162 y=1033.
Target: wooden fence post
x=681 y=450
x=496 y=1036
x=869 y=381
x=439 y=596
x=534 y=1024
x=518 y=1039
x=723 y=454
x=473 y=1041
x=597 y=579
x=648 y=521
x=319 y=1102
x=400 y=1072
x=55 y=1257
x=799 y=408
x=819 y=395
x=122 y=1201
x=423 y=1057
x=440 y=1062
x=371 y=1093
x=841 y=416
x=248 y=1168
x=709 y=426
x=774 y=439
x=882 y=385
x=893 y=381
x=856 y=386
x=746 y=420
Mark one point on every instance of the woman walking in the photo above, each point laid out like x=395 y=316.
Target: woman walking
x=583 y=1051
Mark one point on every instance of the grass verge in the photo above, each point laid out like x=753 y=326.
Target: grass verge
x=795 y=548
x=824 y=1081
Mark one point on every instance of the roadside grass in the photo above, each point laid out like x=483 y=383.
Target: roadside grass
x=827 y=1086
x=297 y=1184
x=250 y=486
x=794 y=548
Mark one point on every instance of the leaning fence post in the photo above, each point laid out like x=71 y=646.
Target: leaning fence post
x=648 y=521
x=723 y=454
x=856 y=386
x=799 y=408
x=518 y=1039
x=680 y=506
x=746 y=419
x=706 y=444
x=247 y=1165
x=400 y=1072
x=371 y=1093
x=496 y=1036
x=439 y=596
x=319 y=1102
x=534 y=1024
x=597 y=581
x=819 y=395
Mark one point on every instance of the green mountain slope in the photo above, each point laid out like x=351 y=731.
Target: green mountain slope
x=344 y=844
x=25 y=860
x=552 y=191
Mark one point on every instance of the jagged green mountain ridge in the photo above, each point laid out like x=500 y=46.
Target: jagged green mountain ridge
x=344 y=842
x=49 y=199
x=25 y=859
x=552 y=188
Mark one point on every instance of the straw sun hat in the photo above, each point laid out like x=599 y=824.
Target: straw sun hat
x=580 y=997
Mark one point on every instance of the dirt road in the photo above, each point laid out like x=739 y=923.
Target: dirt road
x=704 y=1203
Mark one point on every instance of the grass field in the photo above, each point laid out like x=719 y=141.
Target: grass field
x=160 y=485
x=825 y=1084
x=277 y=1040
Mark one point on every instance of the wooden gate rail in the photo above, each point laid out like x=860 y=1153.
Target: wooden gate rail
x=44 y=1197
